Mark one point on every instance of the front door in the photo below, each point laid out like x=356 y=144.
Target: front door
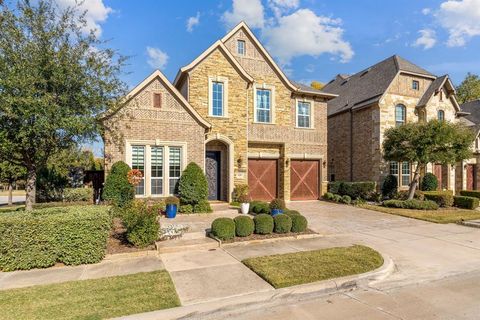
x=212 y=171
x=438 y=172
x=471 y=177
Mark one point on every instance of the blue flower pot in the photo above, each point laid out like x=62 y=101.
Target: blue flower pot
x=171 y=211
x=276 y=212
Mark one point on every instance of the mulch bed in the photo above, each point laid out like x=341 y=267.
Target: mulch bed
x=117 y=240
x=268 y=236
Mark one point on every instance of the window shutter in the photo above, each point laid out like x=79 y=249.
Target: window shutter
x=157 y=100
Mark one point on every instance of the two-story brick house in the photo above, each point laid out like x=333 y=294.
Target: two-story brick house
x=389 y=93
x=234 y=112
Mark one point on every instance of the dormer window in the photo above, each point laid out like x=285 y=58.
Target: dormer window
x=415 y=85
x=241 y=47
x=157 y=100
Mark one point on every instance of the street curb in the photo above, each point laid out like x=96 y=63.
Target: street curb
x=272 y=297
x=266 y=240
x=128 y=255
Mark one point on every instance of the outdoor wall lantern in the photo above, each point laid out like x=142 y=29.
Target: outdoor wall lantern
x=287 y=162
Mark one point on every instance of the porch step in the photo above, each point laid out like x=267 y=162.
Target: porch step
x=180 y=245
x=471 y=223
x=219 y=206
x=193 y=235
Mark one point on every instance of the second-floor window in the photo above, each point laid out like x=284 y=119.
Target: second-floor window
x=264 y=106
x=241 y=47
x=217 y=98
x=415 y=85
x=400 y=115
x=441 y=115
x=303 y=114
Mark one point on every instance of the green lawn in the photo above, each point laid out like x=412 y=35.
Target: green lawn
x=438 y=216
x=284 y=270
x=91 y=299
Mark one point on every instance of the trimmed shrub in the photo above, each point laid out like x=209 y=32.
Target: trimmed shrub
x=73 y=235
x=403 y=195
x=77 y=194
x=411 y=204
x=259 y=207
x=277 y=204
x=429 y=182
x=244 y=226
x=346 y=199
x=117 y=188
x=238 y=191
x=466 y=202
x=186 y=208
x=172 y=200
x=470 y=193
x=442 y=198
x=263 y=224
x=354 y=190
x=141 y=222
x=328 y=196
x=292 y=212
x=223 y=228
x=192 y=186
x=299 y=223
x=390 y=186
x=337 y=198
x=282 y=223
x=203 y=206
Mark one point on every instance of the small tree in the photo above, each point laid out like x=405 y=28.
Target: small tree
x=469 y=89
x=117 y=187
x=390 y=186
x=431 y=142
x=9 y=174
x=317 y=85
x=193 y=185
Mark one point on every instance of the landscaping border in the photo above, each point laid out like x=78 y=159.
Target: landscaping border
x=266 y=240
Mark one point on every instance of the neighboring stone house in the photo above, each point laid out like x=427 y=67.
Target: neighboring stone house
x=245 y=122
x=468 y=171
x=389 y=93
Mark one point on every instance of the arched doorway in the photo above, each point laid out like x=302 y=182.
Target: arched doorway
x=217 y=169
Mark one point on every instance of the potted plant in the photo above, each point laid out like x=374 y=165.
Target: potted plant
x=172 y=205
x=277 y=206
x=244 y=203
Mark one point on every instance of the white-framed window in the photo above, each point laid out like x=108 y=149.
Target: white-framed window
x=241 y=47
x=304 y=114
x=156 y=173
x=263 y=105
x=400 y=115
x=175 y=167
x=160 y=162
x=138 y=162
x=402 y=171
x=441 y=115
x=218 y=97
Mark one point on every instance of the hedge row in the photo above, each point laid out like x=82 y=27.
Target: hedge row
x=411 y=204
x=244 y=226
x=352 y=189
x=38 y=239
x=472 y=193
x=442 y=198
x=466 y=202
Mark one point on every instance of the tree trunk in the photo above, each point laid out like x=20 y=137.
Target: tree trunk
x=413 y=185
x=10 y=193
x=31 y=188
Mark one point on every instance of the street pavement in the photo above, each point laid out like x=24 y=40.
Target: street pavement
x=16 y=199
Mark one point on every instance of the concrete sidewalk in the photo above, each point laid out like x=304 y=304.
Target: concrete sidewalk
x=107 y=268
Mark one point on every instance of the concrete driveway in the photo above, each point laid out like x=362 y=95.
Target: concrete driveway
x=422 y=251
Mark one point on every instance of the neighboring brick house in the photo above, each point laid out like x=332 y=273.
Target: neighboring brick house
x=389 y=93
x=245 y=123
x=468 y=171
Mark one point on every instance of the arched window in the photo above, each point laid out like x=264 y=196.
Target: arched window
x=441 y=115
x=400 y=115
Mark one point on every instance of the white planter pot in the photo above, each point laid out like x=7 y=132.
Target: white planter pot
x=244 y=207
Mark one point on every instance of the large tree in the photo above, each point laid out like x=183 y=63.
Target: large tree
x=469 y=89
x=10 y=174
x=432 y=142
x=55 y=81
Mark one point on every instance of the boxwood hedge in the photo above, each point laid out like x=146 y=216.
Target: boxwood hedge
x=38 y=239
x=466 y=202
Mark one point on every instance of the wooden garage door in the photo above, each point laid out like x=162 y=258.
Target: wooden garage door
x=304 y=180
x=262 y=179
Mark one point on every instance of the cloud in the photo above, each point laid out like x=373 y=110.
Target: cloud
x=250 y=11
x=461 y=19
x=305 y=33
x=97 y=12
x=426 y=11
x=280 y=7
x=426 y=40
x=192 y=22
x=157 y=58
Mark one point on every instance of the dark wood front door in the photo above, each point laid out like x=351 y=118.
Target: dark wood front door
x=212 y=171
x=304 y=180
x=437 y=171
x=262 y=179
x=471 y=177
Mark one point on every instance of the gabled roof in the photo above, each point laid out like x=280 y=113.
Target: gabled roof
x=368 y=86
x=158 y=74
x=473 y=110
x=435 y=87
